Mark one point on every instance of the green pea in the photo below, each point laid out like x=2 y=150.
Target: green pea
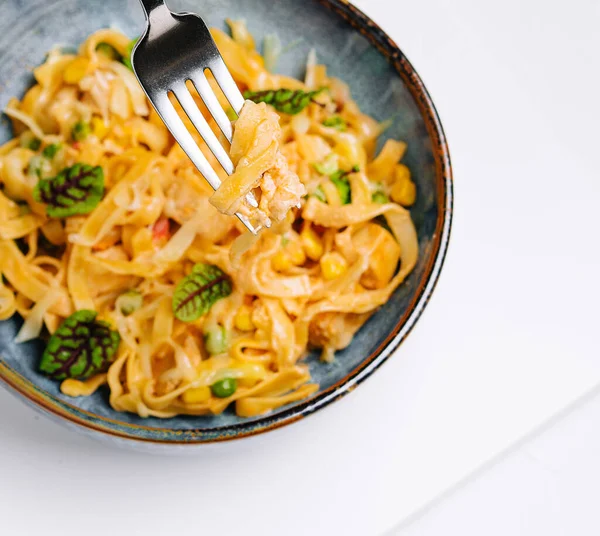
x=336 y=122
x=380 y=197
x=215 y=340
x=129 y=302
x=224 y=388
x=81 y=130
x=51 y=150
x=29 y=141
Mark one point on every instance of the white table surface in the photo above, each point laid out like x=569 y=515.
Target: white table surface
x=507 y=342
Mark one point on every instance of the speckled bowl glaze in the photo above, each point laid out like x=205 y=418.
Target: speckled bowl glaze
x=384 y=84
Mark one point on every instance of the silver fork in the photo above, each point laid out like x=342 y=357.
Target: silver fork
x=175 y=48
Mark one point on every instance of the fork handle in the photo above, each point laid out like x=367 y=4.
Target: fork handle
x=152 y=5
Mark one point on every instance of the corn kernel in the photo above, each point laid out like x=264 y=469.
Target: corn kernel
x=76 y=70
x=402 y=173
x=289 y=255
x=313 y=247
x=250 y=373
x=296 y=254
x=141 y=241
x=196 y=395
x=99 y=128
x=281 y=261
x=404 y=190
x=404 y=193
x=333 y=265
x=243 y=319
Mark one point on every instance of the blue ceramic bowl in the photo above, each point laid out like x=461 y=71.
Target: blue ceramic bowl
x=384 y=84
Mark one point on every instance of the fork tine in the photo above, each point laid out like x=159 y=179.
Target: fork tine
x=169 y=116
x=214 y=107
x=227 y=84
x=212 y=103
x=189 y=106
x=191 y=109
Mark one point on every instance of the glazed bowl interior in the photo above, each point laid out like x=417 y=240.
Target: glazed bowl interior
x=384 y=85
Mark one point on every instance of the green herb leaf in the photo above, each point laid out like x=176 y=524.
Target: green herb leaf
x=75 y=190
x=197 y=293
x=328 y=167
x=50 y=151
x=127 y=58
x=288 y=101
x=340 y=174
x=80 y=131
x=81 y=347
x=224 y=388
x=339 y=179
x=335 y=121
x=109 y=51
x=341 y=182
x=320 y=195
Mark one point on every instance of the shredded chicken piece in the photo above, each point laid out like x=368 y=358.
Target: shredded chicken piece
x=281 y=189
x=260 y=167
x=334 y=330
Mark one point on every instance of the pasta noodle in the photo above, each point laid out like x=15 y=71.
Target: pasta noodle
x=113 y=243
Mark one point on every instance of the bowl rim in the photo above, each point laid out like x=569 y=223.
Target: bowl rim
x=444 y=184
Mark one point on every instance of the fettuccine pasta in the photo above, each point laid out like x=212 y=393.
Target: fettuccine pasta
x=113 y=245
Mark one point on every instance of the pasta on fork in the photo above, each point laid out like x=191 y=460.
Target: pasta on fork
x=259 y=165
